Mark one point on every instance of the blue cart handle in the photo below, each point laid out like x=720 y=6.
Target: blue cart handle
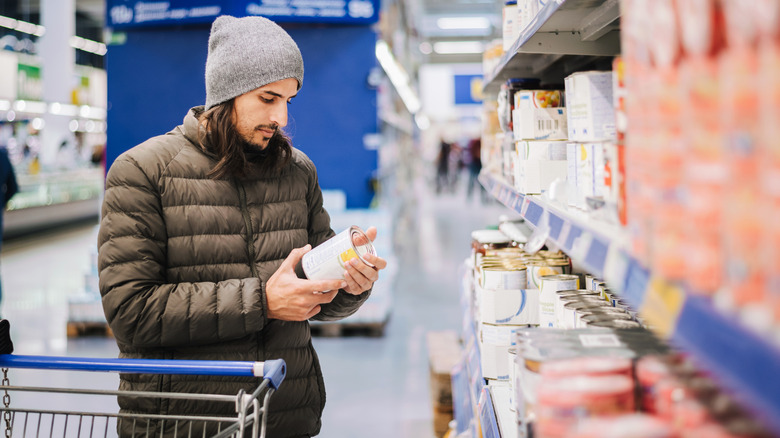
x=273 y=370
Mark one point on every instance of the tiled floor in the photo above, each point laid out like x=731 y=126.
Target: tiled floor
x=377 y=387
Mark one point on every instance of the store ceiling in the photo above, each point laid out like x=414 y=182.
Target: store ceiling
x=425 y=15
x=422 y=17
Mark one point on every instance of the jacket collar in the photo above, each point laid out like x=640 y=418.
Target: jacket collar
x=194 y=131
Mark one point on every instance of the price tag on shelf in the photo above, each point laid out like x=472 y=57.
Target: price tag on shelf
x=556 y=226
x=580 y=245
x=524 y=206
x=564 y=236
x=662 y=306
x=616 y=268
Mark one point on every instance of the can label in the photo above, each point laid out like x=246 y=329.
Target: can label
x=504 y=278
x=327 y=261
x=550 y=284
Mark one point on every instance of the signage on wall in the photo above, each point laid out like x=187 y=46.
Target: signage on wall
x=468 y=89
x=122 y=14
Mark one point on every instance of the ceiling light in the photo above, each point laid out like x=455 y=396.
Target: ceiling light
x=426 y=48
x=463 y=23
x=398 y=76
x=458 y=47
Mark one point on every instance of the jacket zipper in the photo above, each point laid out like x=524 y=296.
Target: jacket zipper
x=250 y=248
x=250 y=238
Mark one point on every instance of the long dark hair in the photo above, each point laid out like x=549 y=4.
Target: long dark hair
x=235 y=156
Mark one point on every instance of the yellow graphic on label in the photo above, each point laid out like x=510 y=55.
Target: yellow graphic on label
x=346 y=256
x=661 y=307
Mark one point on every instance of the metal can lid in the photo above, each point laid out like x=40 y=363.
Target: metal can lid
x=361 y=244
x=617 y=324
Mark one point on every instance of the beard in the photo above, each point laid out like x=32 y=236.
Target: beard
x=249 y=139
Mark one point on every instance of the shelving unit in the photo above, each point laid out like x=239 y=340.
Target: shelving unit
x=744 y=361
x=571 y=35
x=565 y=36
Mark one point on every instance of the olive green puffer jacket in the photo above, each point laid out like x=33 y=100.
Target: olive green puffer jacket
x=183 y=263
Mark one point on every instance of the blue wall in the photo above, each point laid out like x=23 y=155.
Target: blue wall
x=158 y=74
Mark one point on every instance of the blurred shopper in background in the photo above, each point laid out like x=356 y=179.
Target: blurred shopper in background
x=443 y=167
x=474 y=164
x=202 y=232
x=8 y=176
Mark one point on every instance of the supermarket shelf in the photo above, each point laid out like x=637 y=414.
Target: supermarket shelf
x=576 y=29
x=745 y=362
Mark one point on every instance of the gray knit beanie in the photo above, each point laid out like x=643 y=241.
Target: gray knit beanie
x=247 y=53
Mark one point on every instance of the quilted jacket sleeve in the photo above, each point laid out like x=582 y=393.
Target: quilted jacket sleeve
x=344 y=304
x=142 y=309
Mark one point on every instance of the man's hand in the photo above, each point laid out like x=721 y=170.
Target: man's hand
x=359 y=276
x=290 y=298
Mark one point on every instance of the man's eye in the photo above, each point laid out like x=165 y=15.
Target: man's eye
x=267 y=100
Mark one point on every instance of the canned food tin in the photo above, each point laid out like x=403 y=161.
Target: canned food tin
x=617 y=324
x=588 y=366
x=327 y=261
x=565 y=401
x=539 y=269
x=568 y=296
x=504 y=277
x=597 y=315
x=569 y=315
x=550 y=284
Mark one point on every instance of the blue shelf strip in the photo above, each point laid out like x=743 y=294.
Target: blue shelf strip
x=745 y=362
x=487 y=416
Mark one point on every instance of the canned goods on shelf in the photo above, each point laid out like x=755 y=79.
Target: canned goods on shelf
x=588 y=366
x=563 y=402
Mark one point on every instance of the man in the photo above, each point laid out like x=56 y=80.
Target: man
x=202 y=230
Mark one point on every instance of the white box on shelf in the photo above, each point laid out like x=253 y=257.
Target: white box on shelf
x=541 y=150
x=590 y=109
x=494 y=343
x=535 y=177
x=595 y=171
x=539 y=123
x=571 y=175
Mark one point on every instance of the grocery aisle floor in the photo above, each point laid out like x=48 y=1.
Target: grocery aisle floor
x=376 y=386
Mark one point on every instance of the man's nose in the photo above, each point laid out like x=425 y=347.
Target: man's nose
x=279 y=114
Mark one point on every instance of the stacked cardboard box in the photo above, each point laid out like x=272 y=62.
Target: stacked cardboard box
x=444 y=351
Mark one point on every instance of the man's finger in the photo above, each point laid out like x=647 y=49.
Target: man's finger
x=371 y=233
x=326 y=285
x=378 y=262
x=294 y=257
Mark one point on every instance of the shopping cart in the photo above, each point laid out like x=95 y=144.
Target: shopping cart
x=249 y=421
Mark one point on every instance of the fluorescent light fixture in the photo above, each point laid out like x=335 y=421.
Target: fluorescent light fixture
x=21 y=26
x=76 y=42
x=458 y=47
x=86 y=45
x=5 y=105
x=398 y=76
x=451 y=23
x=63 y=109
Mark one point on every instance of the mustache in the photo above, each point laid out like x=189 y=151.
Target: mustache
x=272 y=126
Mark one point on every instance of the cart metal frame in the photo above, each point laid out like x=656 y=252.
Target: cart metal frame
x=251 y=408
